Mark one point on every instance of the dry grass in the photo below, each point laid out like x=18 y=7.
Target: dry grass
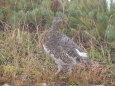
x=23 y=63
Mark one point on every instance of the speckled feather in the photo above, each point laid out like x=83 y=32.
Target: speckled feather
x=61 y=48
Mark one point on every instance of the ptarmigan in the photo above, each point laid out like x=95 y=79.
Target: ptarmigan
x=63 y=50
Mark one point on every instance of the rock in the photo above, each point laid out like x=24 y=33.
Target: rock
x=6 y=85
x=43 y=84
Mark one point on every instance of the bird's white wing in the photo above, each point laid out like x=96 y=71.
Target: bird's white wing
x=72 y=49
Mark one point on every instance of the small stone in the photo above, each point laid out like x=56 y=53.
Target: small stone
x=42 y=84
x=6 y=85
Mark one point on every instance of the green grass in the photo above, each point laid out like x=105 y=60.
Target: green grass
x=22 y=58
x=24 y=62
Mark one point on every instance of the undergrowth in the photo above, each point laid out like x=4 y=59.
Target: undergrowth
x=24 y=63
x=22 y=25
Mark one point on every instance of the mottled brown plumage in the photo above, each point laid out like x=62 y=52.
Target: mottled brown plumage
x=62 y=49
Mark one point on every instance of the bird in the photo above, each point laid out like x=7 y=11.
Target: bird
x=62 y=49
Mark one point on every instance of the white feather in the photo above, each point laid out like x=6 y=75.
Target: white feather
x=46 y=50
x=82 y=54
x=58 y=61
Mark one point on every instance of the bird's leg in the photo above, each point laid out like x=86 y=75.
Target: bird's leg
x=59 y=69
x=70 y=70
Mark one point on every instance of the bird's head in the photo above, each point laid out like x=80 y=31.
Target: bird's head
x=56 y=22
